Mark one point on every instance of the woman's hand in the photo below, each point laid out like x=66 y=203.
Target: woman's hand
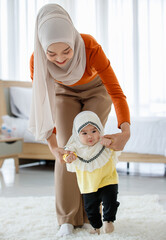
x=106 y=141
x=117 y=141
x=55 y=150
x=59 y=153
x=69 y=158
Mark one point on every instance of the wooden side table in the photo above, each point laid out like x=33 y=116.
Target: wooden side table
x=10 y=148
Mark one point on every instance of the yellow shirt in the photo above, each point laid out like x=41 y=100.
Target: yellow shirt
x=91 y=181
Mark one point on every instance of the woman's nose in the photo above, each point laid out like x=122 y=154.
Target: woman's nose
x=59 y=58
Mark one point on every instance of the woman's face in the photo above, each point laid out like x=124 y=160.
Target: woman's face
x=59 y=53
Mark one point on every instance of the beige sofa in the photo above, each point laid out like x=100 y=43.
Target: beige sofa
x=31 y=151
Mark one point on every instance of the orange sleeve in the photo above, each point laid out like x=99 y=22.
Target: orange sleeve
x=117 y=95
x=31 y=66
x=101 y=64
x=31 y=75
x=54 y=130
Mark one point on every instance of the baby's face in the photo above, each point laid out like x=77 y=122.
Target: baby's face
x=89 y=135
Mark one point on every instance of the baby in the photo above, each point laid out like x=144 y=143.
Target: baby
x=95 y=167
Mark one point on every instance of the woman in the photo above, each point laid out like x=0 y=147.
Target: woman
x=70 y=74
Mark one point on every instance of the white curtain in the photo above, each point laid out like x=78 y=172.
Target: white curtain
x=131 y=32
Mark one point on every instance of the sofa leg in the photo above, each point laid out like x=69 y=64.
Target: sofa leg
x=128 y=168
x=1 y=162
x=16 y=162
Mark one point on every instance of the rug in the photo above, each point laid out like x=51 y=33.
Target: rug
x=34 y=218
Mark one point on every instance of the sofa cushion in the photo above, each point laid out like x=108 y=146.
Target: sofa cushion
x=20 y=101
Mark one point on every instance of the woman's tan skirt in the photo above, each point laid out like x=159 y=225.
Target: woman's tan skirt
x=69 y=102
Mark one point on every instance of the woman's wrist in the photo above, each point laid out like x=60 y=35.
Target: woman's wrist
x=125 y=128
x=52 y=142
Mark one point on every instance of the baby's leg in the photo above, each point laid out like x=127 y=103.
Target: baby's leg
x=110 y=206
x=92 y=208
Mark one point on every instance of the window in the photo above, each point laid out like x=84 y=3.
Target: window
x=131 y=32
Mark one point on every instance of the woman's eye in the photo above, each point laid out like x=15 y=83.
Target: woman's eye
x=66 y=52
x=51 y=55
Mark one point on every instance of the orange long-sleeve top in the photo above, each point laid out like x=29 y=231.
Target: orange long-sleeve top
x=98 y=64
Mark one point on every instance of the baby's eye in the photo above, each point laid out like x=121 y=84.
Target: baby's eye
x=93 y=131
x=84 y=133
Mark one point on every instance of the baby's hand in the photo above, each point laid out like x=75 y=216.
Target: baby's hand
x=69 y=158
x=106 y=142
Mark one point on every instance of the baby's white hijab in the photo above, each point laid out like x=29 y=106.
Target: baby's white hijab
x=97 y=152
x=82 y=120
x=53 y=24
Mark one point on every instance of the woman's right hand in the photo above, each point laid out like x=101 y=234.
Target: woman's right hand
x=69 y=158
x=58 y=153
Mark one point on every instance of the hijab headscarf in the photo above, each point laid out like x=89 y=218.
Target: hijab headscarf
x=53 y=25
x=89 y=158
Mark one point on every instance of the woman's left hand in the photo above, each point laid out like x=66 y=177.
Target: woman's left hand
x=117 y=141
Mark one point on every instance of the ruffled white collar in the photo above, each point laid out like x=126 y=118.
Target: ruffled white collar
x=91 y=158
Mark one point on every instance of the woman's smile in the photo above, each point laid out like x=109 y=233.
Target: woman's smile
x=61 y=62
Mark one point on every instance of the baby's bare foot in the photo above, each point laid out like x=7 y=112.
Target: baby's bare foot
x=108 y=227
x=94 y=231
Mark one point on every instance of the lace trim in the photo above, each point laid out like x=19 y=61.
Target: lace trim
x=91 y=159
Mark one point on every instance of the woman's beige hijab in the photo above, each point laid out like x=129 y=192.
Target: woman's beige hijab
x=53 y=24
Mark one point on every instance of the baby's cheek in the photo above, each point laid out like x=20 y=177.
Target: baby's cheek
x=99 y=138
